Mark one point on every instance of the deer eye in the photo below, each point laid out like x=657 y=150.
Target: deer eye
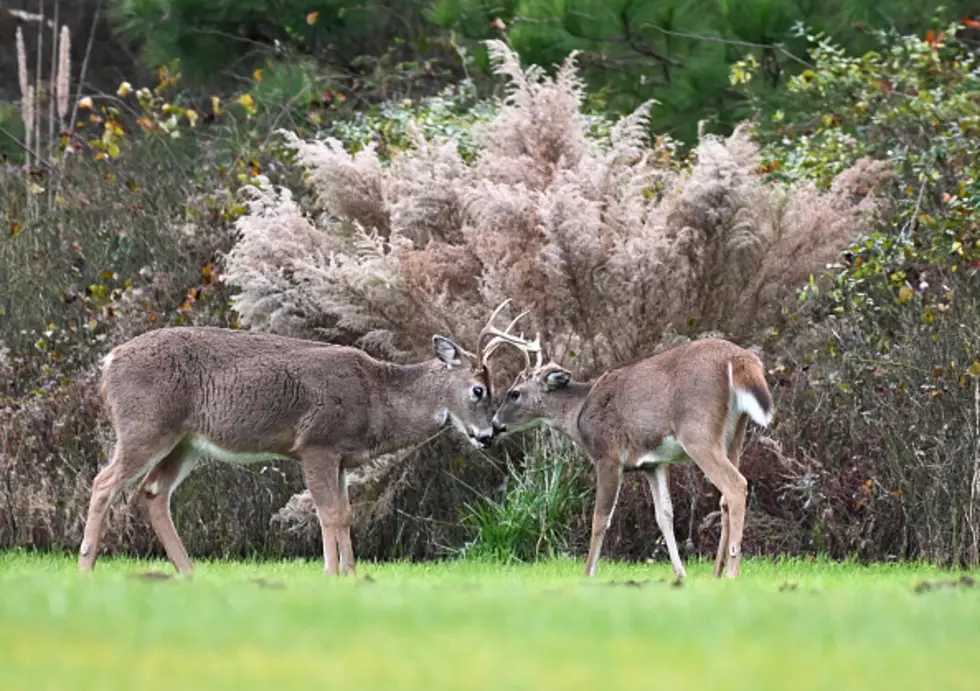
x=514 y=395
x=478 y=392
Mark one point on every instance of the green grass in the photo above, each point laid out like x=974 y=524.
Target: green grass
x=465 y=625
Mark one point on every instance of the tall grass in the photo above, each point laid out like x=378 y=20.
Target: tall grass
x=541 y=497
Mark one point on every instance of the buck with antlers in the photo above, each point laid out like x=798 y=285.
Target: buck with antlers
x=176 y=395
x=691 y=402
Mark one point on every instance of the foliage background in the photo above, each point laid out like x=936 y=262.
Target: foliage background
x=856 y=109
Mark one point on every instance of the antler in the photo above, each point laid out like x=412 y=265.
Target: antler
x=525 y=346
x=505 y=336
x=501 y=337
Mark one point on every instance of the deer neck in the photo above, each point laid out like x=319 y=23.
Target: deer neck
x=415 y=401
x=566 y=407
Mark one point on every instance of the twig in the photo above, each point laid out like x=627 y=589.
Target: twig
x=52 y=89
x=37 y=80
x=680 y=34
x=731 y=42
x=26 y=149
x=81 y=74
x=918 y=204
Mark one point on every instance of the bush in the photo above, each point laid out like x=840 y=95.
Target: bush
x=116 y=230
x=613 y=246
x=878 y=436
x=593 y=234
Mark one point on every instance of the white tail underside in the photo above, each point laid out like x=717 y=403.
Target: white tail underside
x=746 y=402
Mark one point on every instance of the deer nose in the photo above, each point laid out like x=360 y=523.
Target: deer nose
x=484 y=440
x=499 y=427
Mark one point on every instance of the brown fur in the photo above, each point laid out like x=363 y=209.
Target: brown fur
x=329 y=407
x=681 y=394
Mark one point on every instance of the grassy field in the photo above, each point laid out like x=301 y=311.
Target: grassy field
x=458 y=625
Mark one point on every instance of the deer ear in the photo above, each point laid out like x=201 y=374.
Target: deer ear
x=557 y=379
x=447 y=351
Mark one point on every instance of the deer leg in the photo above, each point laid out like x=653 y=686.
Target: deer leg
x=129 y=461
x=664 y=509
x=346 y=549
x=711 y=458
x=155 y=492
x=609 y=478
x=322 y=472
x=723 y=540
x=734 y=454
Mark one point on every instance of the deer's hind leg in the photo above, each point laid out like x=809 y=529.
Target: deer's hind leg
x=711 y=458
x=734 y=455
x=155 y=492
x=130 y=459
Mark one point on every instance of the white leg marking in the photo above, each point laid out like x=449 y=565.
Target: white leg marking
x=665 y=517
x=619 y=486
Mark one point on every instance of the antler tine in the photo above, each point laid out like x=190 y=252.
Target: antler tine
x=522 y=344
x=487 y=330
x=491 y=330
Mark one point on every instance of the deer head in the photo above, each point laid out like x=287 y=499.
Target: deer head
x=469 y=400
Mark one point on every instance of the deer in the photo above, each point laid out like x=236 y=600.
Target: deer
x=689 y=403
x=179 y=394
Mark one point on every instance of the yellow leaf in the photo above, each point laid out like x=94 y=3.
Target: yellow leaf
x=15 y=228
x=216 y=105
x=247 y=102
x=99 y=156
x=312 y=17
x=113 y=149
x=257 y=74
x=85 y=102
x=975 y=368
x=192 y=117
x=905 y=293
x=124 y=88
x=35 y=188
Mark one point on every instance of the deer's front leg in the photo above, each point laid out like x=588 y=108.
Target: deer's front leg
x=343 y=535
x=321 y=470
x=609 y=477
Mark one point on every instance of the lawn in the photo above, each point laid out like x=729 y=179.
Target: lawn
x=464 y=625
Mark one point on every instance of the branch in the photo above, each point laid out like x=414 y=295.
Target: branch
x=25 y=148
x=642 y=50
x=81 y=74
x=731 y=42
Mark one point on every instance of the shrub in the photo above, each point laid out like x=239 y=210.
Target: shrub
x=878 y=435
x=594 y=234
x=612 y=244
